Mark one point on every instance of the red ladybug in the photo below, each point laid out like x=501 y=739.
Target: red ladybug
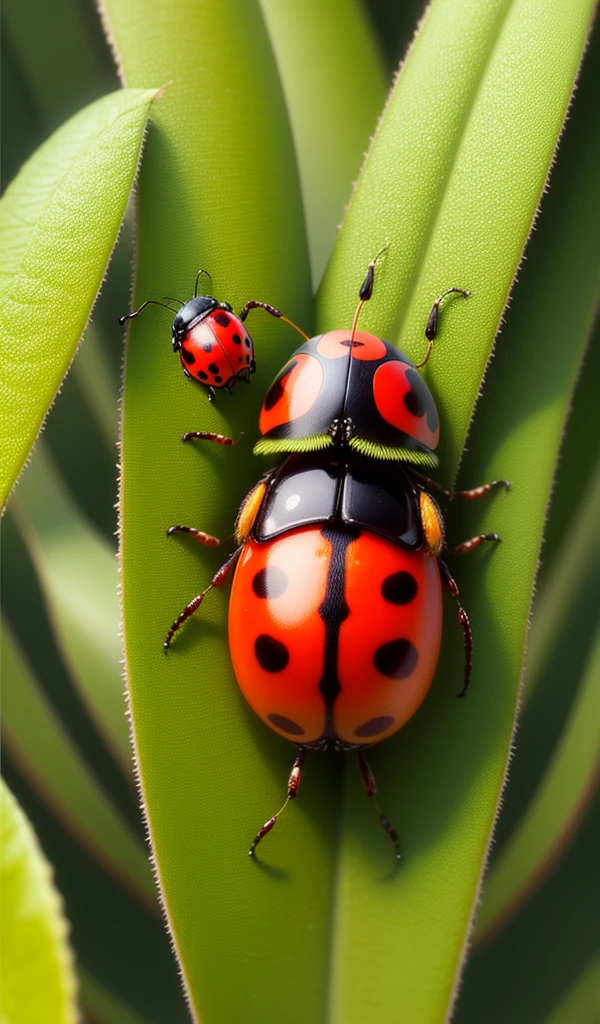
x=213 y=343
x=335 y=616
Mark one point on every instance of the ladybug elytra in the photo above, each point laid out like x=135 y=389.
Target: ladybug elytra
x=335 y=615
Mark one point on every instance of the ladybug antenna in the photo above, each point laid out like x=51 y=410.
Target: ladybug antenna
x=366 y=289
x=432 y=323
x=148 y=302
x=198 y=276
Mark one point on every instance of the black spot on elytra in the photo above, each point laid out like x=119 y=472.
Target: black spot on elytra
x=248 y=359
x=236 y=339
x=247 y=341
x=374 y=726
x=277 y=389
x=270 y=582
x=222 y=319
x=418 y=400
x=218 y=380
x=286 y=724
x=396 y=659
x=271 y=654
x=202 y=375
x=399 y=588
x=353 y=344
x=213 y=367
x=188 y=356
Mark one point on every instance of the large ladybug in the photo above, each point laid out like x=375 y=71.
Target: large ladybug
x=213 y=343
x=335 y=616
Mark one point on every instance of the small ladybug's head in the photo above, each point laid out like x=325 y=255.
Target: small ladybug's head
x=191 y=314
x=359 y=391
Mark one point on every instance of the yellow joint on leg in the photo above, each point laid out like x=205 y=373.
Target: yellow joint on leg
x=433 y=523
x=248 y=513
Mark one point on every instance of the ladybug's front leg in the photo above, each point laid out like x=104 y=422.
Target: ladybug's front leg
x=217 y=580
x=203 y=435
x=473 y=494
x=292 y=792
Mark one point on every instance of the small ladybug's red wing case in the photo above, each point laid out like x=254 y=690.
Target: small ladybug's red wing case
x=367 y=384
x=217 y=350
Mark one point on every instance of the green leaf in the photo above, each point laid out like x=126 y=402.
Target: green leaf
x=582 y=1002
x=440 y=778
x=38 y=978
x=452 y=182
x=37 y=741
x=525 y=971
x=579 y=553
x=322 y=911
x=78 y=573
x=333 y=109
x=558 y=804
x=103 y=1006
x=59 y=220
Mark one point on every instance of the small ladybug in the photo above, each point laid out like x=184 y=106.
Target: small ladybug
x=335 y=616
x=213 y=343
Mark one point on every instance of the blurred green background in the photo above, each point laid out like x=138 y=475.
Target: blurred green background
x=539 y=962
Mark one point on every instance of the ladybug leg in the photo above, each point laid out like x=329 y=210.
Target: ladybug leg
x=433 y=483
x=202 y=435
x=371 y=790
x=292 y=792
x=432 y=323
x=199 y=535
x=474 y=542
x=273 y=311
x=478 y=492
x=193 y=606
x=470 y=495
x=464 y=623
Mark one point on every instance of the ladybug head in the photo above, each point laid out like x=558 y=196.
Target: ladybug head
x=190 y=314
x=355 y=389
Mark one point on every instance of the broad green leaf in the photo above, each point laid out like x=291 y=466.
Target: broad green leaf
x=210 y=772
x=218 y=188
x=78 y=573
x=440 y=779
x=522 y=974
x=332 y=110
x=38 y=977
x=103 y=1006
x=582 y=1002
x=51 y=71
x=95 y=379
x=122 y=943
x=38 y=743
x=452 y=182
x=59 y=220
x=552 y=814
x=579 y=552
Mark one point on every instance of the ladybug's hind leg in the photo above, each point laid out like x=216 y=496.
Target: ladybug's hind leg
x=464 y=622
x=193 y=606
x=371 y=790
x=292 y=792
